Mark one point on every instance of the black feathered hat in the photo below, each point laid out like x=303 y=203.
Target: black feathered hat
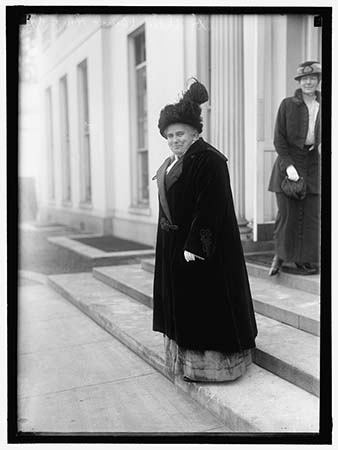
x=187 y=110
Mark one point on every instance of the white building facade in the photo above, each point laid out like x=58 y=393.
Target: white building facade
x=103 y=82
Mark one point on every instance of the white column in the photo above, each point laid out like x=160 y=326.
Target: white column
x=227 y=102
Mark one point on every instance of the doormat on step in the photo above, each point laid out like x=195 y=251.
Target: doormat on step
x=112 y=244
x=263 y=259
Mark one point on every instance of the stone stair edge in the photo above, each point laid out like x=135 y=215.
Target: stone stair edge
x=200 y=393
x=311 y=287
x=281 y=312
x=293 y=281
x=283 y=369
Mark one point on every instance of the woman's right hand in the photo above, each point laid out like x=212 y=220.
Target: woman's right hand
x=292 y=173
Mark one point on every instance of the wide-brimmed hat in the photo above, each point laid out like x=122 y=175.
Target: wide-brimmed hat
x=308 y=68
x=187 y=110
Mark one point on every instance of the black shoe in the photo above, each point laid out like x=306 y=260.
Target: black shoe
x=275 y=265
x=305 y=269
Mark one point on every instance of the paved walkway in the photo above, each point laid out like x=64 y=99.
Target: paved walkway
x=75 y=377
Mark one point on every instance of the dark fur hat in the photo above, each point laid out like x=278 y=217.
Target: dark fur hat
x=187 y=110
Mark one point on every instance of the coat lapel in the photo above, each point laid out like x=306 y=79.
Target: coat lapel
x=160 y=177
x=165 y=182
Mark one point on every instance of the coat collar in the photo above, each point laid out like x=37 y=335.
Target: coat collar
x=161 y=175
x=196 y=147
x=199 y=146
x=298 y=97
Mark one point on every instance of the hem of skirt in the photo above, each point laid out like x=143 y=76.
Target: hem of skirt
x=197 y=366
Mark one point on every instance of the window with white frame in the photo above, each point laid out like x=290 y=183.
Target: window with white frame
x=50 y=144
x=139 y=118
x=84 y=133
x=65 y=140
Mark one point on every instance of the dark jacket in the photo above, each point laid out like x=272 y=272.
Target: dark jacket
x=289 y=138
x=201 y=304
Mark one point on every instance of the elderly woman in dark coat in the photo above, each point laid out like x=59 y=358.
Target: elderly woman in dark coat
x=202 y=299
x=297 y=140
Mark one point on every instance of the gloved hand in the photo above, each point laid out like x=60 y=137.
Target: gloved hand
x=292 y=173
x=190 y=256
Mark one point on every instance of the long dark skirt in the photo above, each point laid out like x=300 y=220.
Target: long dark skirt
x=297 y=229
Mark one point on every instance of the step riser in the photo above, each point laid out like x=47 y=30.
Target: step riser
x=261 y=246
x=133 y=293
x=148 y=266
x=288 y=317
x=287 y=372
x=291 y=318
x=282 y=369
x=292 y=281
x=233 y=421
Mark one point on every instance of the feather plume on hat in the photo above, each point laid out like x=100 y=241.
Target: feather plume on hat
x=187 y=110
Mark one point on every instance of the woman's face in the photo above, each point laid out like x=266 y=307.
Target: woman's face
x=180 y=136
x=309 y=84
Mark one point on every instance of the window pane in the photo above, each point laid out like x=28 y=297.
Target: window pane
x=140 y=48
x=50 y=147
x=143 y=176
x=87 y=179
x=86 y=189
x=141 y=107
x=140 y=187
x=65 y=141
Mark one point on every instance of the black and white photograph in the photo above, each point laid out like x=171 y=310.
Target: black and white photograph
x=173 y=224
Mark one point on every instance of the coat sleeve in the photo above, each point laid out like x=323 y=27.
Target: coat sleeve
x=280 y=138
x=211 y=181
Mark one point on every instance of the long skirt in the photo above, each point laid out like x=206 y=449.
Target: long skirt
x=297 y=229
x=208 y=365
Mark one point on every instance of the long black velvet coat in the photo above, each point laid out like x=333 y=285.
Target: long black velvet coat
x=203 y=304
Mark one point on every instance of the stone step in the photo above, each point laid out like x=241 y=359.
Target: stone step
x=296 y=307
x=307 y=283
x=293 y=307
x=258 y=402
x=286 y=351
